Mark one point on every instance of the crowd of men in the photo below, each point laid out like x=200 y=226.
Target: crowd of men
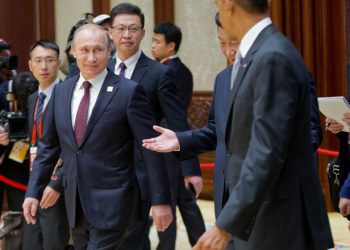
x=110 y=145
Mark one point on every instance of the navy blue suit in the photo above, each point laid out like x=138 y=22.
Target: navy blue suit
x=102 y=169
x=183 y=198
x=158 y=81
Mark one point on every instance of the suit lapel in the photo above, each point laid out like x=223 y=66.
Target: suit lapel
x=246 y=62
x=31 y=106
x=140 y=69
x=103 y=99
x=67 y=104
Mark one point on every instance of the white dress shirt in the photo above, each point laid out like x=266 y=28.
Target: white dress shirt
x=48 y=91
x=250 y=37
x=78 y=93
x=130 y=64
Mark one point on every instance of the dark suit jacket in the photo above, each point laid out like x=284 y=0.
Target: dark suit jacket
x=101 y=169
x=57 y=182
x=184 y=81
x=275 y=198
x=158 y=81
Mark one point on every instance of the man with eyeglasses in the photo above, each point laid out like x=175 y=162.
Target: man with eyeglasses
x=51 y=230
x=127 y=32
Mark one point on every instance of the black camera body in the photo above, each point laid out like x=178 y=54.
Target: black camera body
x=10 y=62
x=16 y=124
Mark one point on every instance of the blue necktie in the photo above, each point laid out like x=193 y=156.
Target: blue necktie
x=39 y=110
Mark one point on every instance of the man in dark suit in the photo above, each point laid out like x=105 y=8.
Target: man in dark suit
x=166 y=42
x=127 y=32
x=272 y=197
x=51 y=231
x=93 y=121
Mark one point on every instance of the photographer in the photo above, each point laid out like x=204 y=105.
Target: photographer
x=10 y=169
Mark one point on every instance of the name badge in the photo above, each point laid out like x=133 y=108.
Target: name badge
x=32 y=153
x=19 y=151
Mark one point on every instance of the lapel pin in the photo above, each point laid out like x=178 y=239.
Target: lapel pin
x=109 y=88
x=244 y=65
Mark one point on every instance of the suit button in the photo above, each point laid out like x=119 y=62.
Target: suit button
x=229 y=155
x=79 y=152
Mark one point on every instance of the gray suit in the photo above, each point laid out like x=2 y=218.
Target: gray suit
x=274 y=198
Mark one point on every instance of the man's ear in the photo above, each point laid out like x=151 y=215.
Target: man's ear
x=30 y=65
x=171 y=46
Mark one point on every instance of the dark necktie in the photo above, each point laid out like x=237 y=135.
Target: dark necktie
x=122 y=67
x=82 y=114
x=39 y=110
x=235 y=67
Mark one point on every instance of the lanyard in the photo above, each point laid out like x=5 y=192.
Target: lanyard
x=40 y=128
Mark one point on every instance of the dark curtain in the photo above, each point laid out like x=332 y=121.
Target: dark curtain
x=317 y=28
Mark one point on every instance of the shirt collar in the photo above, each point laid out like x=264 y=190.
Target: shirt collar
x=94 y=81
x=130 y=61
x=49 y=89
x=164 y=60
x=250 y=37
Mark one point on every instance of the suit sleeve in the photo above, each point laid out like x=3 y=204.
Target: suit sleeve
x=175 y=116
x=195 y=142
x=141 y=120
x=276 y=89
x=316 y=130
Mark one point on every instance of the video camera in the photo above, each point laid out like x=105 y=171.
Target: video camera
x=9 y=62
x=15 y=122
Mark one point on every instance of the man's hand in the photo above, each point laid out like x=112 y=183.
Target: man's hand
x=215 y=238
x=50 y=197
x=333 y=126
x=162 y=216
x=197 y=183
x=165 y=143
x=347 y=118
x=344 y=206
x=4 y=137
x=30 y=206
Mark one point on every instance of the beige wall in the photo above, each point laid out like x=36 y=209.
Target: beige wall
x=68 y=13
x=199 y=49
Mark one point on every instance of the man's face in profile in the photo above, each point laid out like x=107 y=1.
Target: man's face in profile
x=227 y=46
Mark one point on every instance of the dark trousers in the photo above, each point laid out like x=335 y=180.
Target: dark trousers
x=185 y=200
x=86 y=236
x=136 y=237
x=51 y=232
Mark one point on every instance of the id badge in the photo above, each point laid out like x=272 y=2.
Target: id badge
x=32 y=155
x=19 y=151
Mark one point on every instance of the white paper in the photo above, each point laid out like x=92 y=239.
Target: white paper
x=334 y=107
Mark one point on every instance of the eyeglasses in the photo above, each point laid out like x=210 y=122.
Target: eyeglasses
x=120 y=30
x=40 y=60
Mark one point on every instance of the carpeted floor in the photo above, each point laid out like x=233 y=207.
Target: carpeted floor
x=339 y=226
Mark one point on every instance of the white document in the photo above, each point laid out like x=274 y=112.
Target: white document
x=334 y=107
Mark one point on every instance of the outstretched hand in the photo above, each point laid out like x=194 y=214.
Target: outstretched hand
x=165 y=143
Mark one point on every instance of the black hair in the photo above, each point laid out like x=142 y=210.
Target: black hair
x=171 y=32
x=46 y=44
x=254 y=6
x=126 y=8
